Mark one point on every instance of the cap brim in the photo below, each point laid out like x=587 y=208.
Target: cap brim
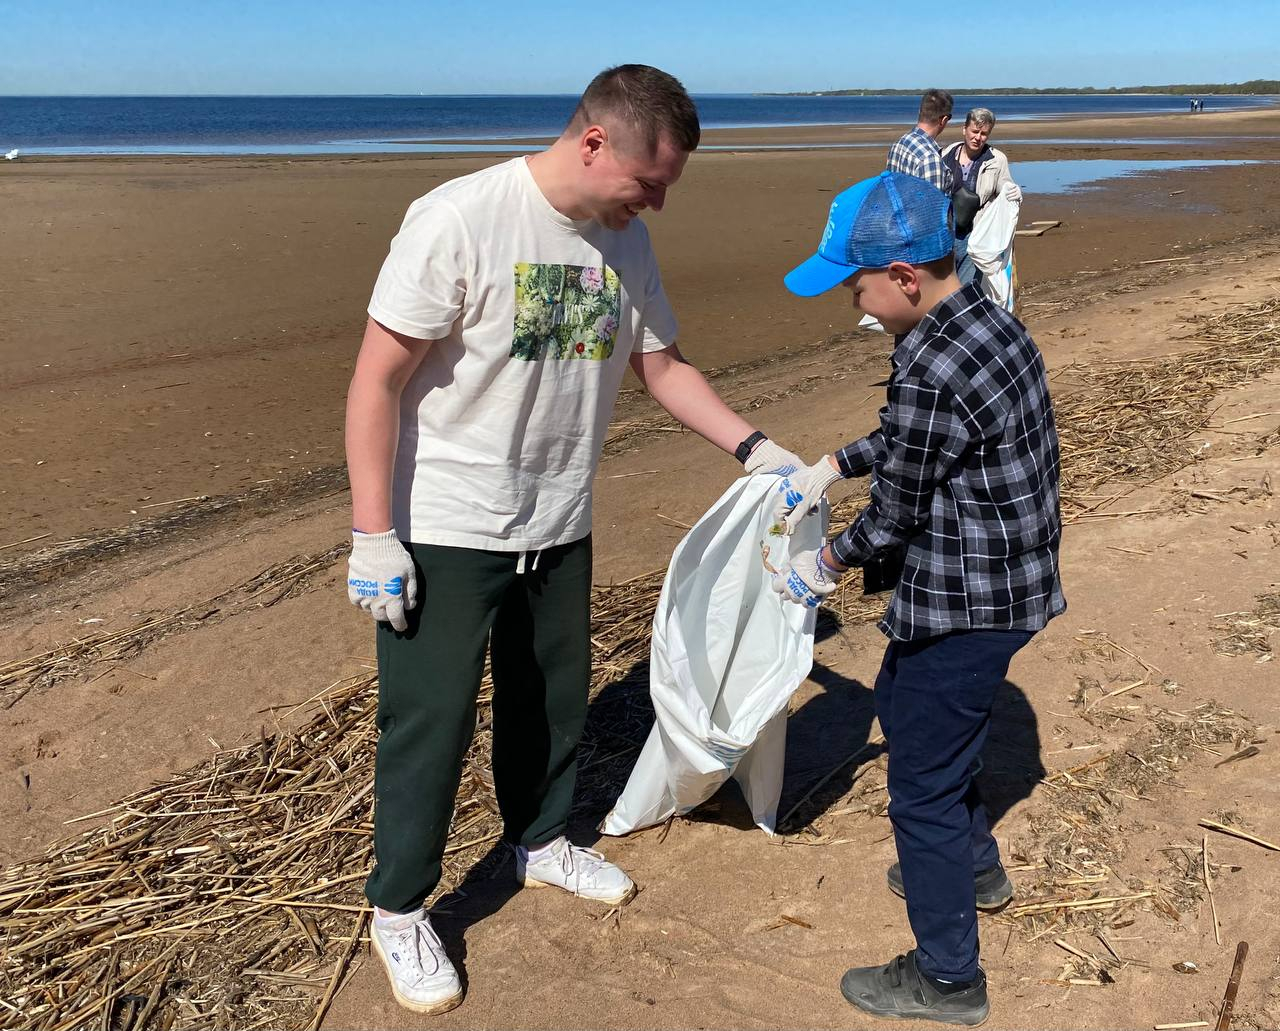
x=816 y=276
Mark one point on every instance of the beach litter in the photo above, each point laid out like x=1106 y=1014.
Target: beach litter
x=1039 y=228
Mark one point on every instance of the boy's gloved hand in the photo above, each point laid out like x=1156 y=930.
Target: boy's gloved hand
x=806 y=579
x=805 y=489
x=380 y=577
x=768 y=457
x=1012 y=191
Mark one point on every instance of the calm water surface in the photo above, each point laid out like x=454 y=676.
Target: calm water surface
x=300 y=125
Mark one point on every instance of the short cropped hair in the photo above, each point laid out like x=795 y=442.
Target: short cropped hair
x=980 y=116
x=647 y=100
x=940 y=268
x=935 y=105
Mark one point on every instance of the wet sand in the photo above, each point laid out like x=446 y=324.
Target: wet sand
x=178 y=327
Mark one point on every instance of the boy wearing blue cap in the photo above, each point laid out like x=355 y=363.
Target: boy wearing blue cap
x=964 y=510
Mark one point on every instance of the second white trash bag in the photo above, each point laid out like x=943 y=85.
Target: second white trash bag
x=991 y=248
x=727 y=655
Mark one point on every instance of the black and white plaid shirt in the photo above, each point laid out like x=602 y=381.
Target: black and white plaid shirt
x=964 y=478
x=917 y=153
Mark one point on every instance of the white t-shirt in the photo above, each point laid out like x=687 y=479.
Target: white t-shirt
x=532 y=317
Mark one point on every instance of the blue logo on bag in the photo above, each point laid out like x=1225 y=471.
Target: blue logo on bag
x=394 y=587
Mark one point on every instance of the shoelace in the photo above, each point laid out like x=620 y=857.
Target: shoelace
x=570 y=867
x=410 y=940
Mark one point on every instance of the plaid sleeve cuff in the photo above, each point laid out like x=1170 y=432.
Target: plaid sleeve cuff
x=858 y=458
x=843 y=550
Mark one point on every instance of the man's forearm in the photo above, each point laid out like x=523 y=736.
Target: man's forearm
x=684 y=392
x=372 y=430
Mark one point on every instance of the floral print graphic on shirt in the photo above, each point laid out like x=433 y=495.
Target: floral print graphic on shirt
x=565 y=311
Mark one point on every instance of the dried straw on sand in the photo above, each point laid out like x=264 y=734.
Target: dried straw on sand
x=74 y=658
x=230 y=896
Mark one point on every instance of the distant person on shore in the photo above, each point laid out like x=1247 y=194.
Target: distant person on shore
x=979 y=173
x=917 y=152
x=511 y=304
x=964 y=519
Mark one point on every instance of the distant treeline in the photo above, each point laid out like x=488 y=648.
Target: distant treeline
x=1254 y=87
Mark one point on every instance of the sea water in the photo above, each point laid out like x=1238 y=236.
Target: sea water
x=310 y=125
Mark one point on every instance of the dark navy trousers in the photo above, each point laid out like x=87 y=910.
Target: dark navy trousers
x=933 y=698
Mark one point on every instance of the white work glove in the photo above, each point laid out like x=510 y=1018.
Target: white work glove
x=804 y=489
x=768 y=457
x=1012 y=191
x=805 y=579
x=380 y=577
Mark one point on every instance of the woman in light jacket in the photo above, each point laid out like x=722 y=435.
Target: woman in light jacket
x=979 y=173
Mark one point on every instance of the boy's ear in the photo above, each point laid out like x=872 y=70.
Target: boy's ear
x=906 y=277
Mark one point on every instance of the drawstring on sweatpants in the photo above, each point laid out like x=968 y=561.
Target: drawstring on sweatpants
x=522 y=565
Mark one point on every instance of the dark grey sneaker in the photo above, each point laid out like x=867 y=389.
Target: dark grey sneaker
x=993 y=886
x=900 y=991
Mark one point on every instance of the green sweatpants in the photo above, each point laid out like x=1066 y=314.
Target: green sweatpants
x=536 y=624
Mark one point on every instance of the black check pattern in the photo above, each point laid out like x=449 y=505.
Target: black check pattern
x=964 y=478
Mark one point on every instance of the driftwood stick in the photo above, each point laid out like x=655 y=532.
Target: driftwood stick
x=1233 y=986
x=1235 y=833
x=338 y=970
x=29 y=540
x=1208 y=888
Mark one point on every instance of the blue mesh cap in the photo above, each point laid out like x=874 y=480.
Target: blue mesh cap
x=889 y=217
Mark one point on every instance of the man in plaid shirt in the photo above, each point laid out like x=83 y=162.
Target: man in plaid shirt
x=917 y=152
x=963 y=515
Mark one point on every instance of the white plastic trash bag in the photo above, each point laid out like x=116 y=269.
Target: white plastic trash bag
x=726 y=656
x=872 y=323
x=991 y=247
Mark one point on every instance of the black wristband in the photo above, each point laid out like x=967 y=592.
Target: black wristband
x=747 y=446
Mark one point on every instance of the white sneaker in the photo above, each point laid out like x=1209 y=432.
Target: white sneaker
x=582 y=871
x=422 y=978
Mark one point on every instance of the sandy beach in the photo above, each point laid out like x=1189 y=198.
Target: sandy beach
x=176 y=338
x=176 y=327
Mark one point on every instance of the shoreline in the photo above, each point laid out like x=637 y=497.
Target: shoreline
x=763 y=135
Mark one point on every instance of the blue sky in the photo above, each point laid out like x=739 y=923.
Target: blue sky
x=547 y=46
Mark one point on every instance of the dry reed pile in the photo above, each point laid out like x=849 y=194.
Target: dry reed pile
x=1073 y=844
x=1135 y=421
x=37 y=567
x=1250 y=632
x=229 y=897
x=74 y=658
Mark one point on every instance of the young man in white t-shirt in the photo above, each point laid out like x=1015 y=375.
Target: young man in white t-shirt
x=511 y=304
